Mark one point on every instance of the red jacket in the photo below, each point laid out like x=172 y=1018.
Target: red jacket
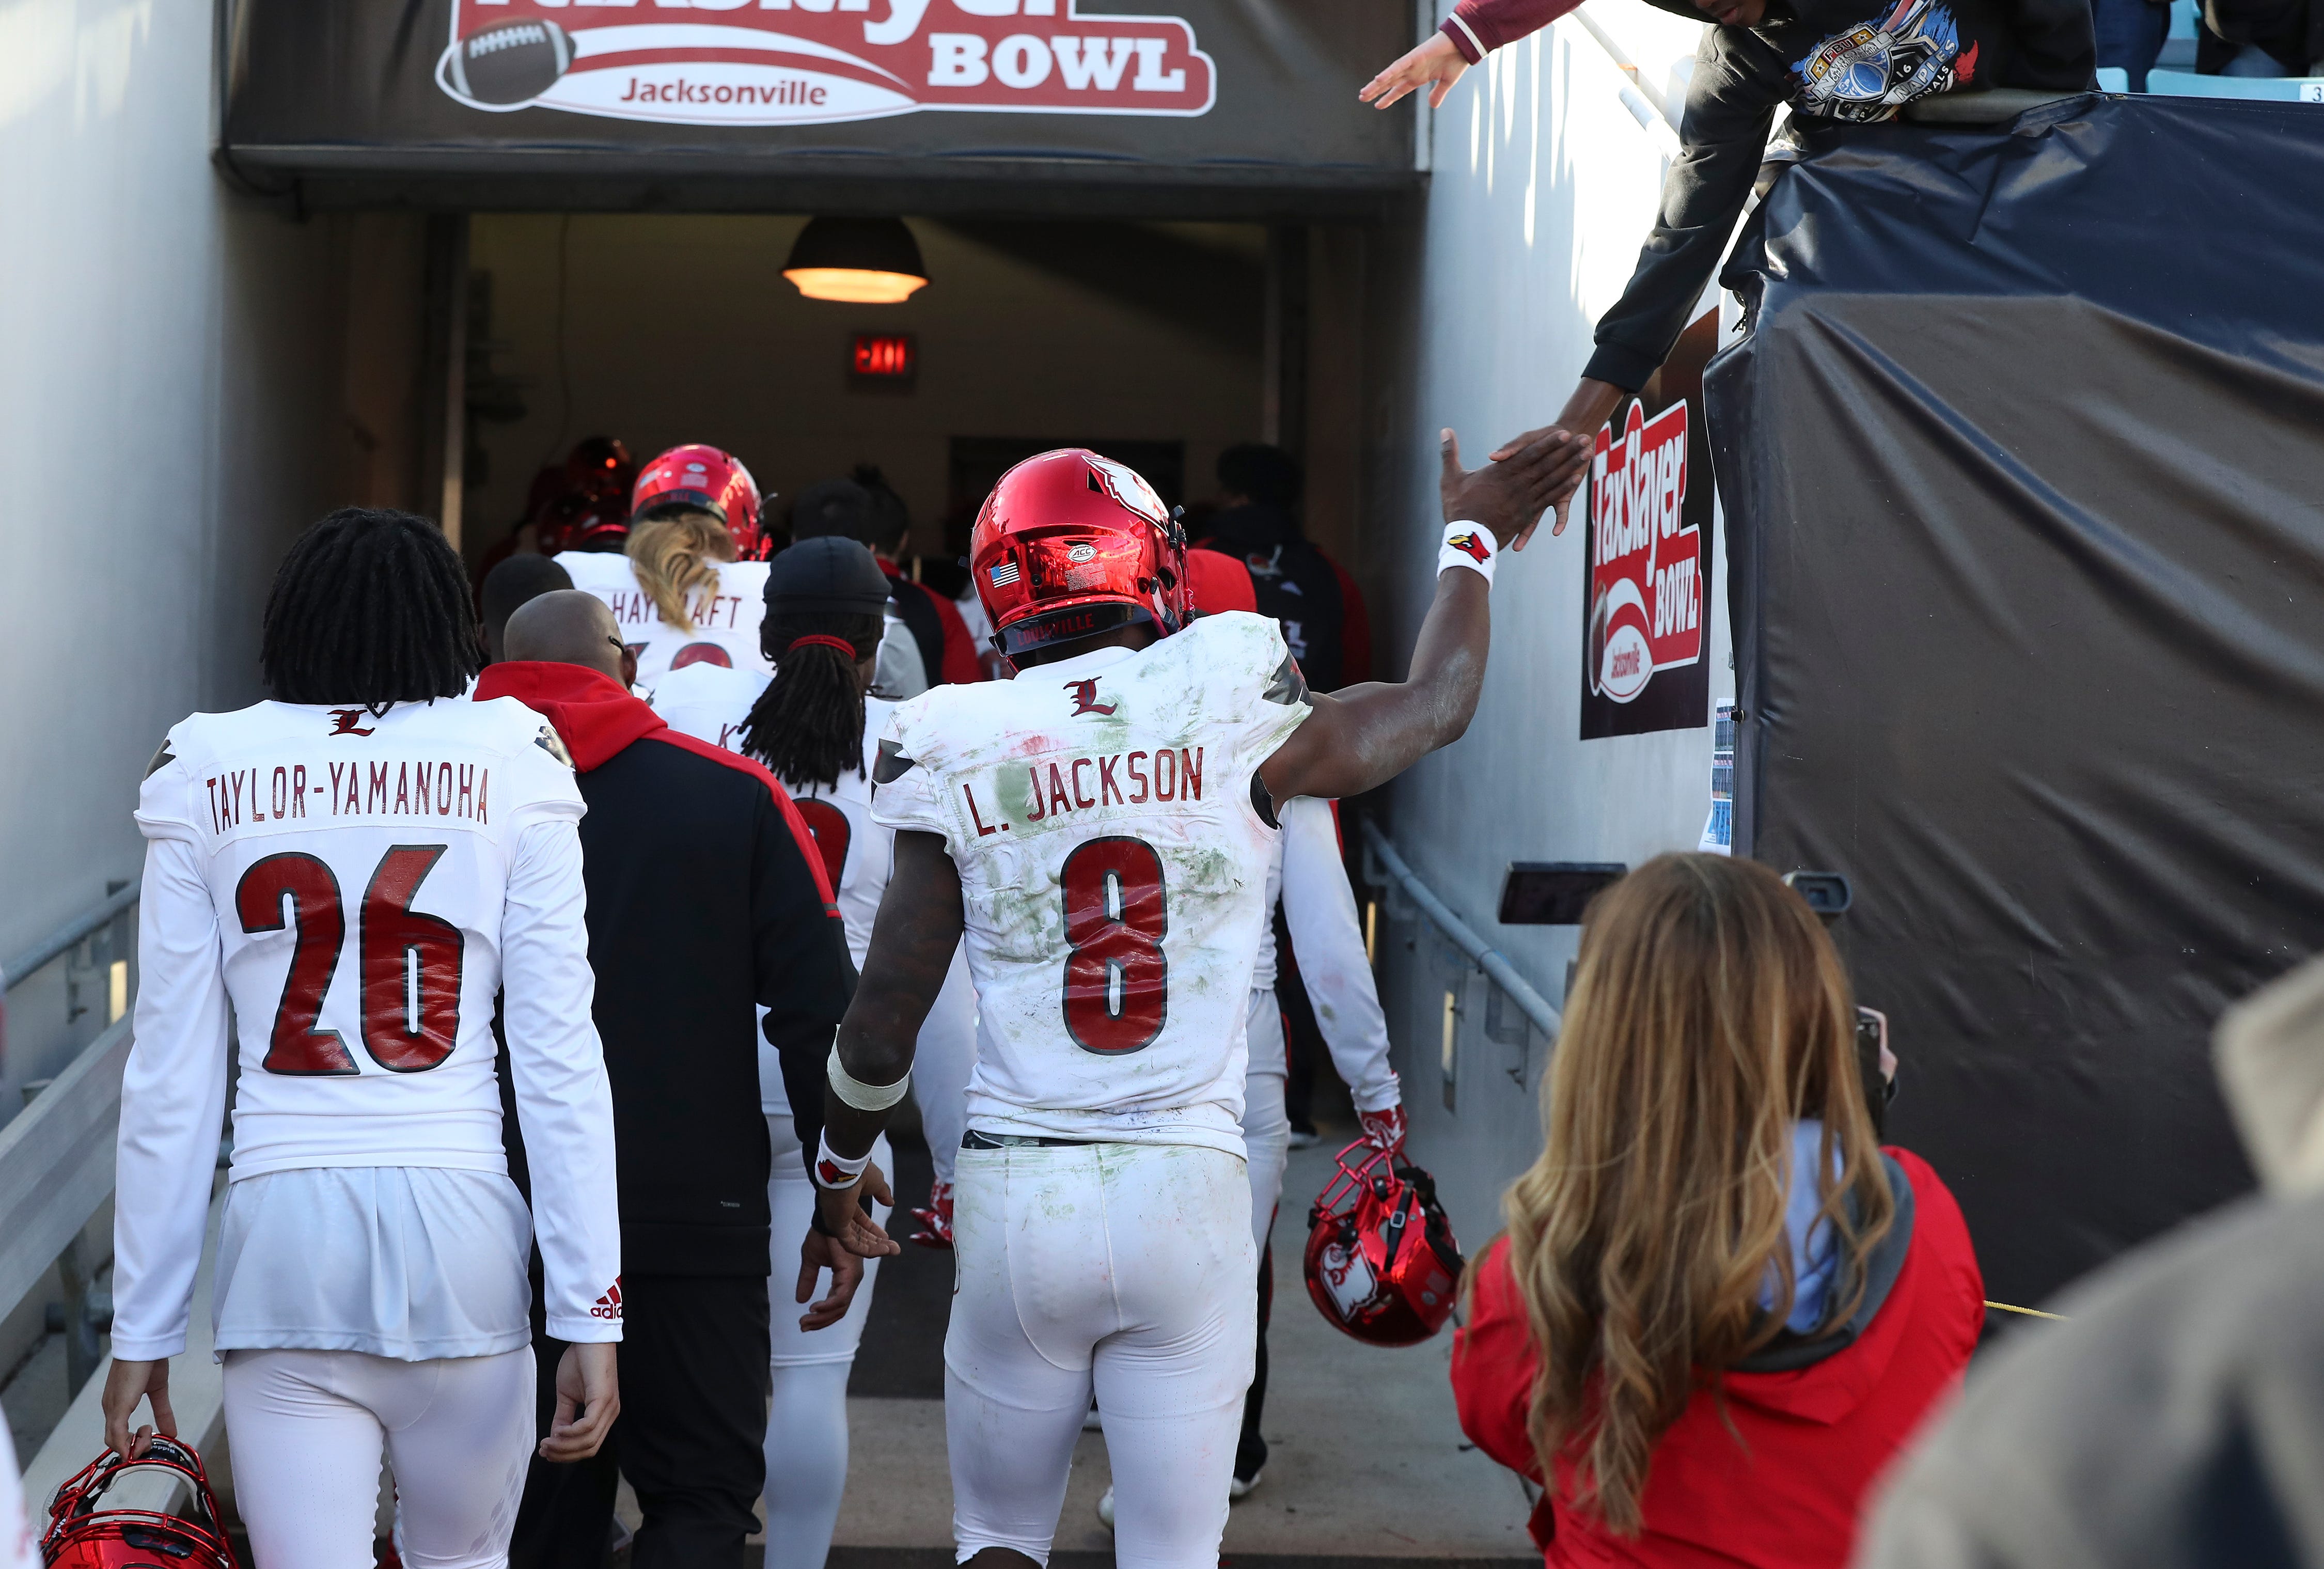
x=1812 y=1442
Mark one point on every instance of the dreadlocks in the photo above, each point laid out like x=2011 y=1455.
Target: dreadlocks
x=826 y=590
x=808 y=725
x=370 y=606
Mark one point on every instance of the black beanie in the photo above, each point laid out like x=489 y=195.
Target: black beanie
x=832 y=573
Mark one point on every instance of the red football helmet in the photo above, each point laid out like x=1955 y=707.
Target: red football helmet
x=601 y=465
x=85 y=1533
x=1071 y=545
x=1381 y=1262
x=575 y=522
x=708 y=480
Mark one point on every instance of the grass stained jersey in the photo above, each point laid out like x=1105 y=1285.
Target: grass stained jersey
x=1114 y=874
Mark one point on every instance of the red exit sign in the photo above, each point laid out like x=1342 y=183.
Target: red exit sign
x=883 y=356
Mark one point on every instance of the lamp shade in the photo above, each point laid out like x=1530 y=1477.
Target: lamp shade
x=861 y=260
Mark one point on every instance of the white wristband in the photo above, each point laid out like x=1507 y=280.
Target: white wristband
x=863 y=1097
x=1469 y=545
x=836 y=1171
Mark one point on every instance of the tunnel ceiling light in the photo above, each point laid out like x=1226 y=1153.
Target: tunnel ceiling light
x=858 y=260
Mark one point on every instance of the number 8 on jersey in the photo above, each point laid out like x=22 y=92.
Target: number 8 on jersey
x=1117 y=978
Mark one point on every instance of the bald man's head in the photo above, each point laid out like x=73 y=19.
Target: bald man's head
x=569 y=627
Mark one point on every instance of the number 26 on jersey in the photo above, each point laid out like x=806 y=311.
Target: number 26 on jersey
x=409 y=964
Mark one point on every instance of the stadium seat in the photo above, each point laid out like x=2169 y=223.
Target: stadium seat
x=2187 y=85
x=2113 y=79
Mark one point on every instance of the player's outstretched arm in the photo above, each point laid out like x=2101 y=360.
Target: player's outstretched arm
x=912 y=944
x=1361 y=737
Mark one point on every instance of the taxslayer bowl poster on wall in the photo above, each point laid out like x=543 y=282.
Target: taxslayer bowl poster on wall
x=1646 y=595
x=798 y=62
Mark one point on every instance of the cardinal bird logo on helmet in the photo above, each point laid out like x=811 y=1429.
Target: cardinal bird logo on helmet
x=1382 y=1264
x=1071 y=546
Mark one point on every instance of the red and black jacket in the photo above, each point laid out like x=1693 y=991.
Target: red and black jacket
x=1310 y=595
x=706 y=900
x=947 y=652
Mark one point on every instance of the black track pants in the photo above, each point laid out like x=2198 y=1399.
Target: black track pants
x=689 y=1437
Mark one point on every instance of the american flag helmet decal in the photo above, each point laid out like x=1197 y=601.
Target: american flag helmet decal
x=1004 y=575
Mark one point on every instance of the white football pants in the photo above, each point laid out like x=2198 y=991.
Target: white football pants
x=1265 y=1125
x=1122 y=1269
x=306 y=1429
x=807 y=1424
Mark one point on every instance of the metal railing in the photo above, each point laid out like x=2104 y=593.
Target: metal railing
x=121 y=898
x=1496 y=965
x=57 y=1170
x=56 y=1156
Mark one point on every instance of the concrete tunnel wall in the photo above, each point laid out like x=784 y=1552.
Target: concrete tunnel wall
x=1544 y=182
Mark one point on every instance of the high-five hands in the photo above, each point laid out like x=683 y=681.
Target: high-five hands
x=848 y=1236
x=1435 y=65
x=1509 y=494
x=1590 y=406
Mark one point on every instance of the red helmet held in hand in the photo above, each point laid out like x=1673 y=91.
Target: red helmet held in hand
x=1070 y=545
x=83 y=1533
x=703 y=479
x=1382 y=1264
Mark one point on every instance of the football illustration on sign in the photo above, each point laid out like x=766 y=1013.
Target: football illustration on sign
x=860 y=60
x=1646 y=579
x=509 y=63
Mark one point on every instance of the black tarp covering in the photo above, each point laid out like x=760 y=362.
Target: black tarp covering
x=2023 y=464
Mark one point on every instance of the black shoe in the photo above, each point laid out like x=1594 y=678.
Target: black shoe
x=1250 y=1464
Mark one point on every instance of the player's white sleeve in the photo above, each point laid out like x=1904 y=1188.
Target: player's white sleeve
x=942 y=1061
x=564 y=1102
x=1320 y=908
x=907 y=799
x=173 y=1105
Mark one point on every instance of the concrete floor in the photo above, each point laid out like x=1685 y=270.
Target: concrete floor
x=1367 y=1459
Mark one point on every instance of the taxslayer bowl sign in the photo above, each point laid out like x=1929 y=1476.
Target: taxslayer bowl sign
x=804 y=62
x=1647 y=616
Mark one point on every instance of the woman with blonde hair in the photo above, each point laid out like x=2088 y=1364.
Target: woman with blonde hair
x=1720 y=1306
x=689 y=585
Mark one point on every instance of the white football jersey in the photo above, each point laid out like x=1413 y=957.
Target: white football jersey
x=726 y=630
x=352 y=882
x=1113 y=871
x=711 y=703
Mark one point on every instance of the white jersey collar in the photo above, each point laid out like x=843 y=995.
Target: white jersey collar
x=1095 y=660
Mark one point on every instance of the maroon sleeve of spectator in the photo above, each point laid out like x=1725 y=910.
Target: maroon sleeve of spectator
x=1477 y=27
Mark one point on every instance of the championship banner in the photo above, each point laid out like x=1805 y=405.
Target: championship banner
x=805 y=62
x=1647 y=606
